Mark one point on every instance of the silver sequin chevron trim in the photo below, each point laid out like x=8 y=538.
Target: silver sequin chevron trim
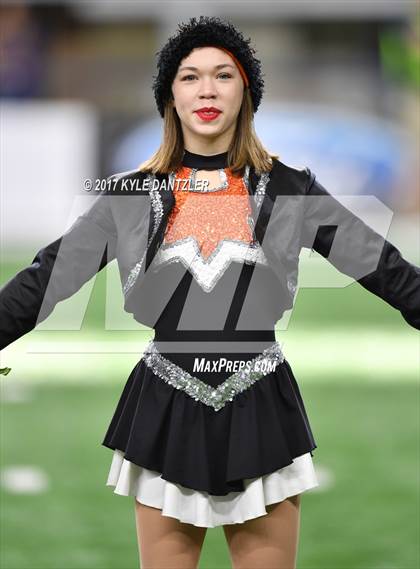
x=199 y=390
x=207 y=272
x=157 y=206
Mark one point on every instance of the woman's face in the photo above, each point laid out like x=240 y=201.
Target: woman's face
x=207 y=77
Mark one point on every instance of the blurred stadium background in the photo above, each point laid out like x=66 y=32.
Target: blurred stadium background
x=342 y=97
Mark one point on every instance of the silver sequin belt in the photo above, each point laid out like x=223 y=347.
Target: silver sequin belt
x=216 y=397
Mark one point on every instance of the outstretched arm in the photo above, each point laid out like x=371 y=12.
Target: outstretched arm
x=357 y=250
x=57 y=271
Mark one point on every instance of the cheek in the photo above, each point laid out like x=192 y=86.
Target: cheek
x=236 y=98
x=183 y=103
x=183 y=111
x=235 y=105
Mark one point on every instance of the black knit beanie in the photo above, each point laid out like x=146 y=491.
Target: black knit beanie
x=206 y=31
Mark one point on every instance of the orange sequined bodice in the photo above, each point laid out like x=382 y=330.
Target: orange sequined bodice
x=210 y=228
x=210 y=216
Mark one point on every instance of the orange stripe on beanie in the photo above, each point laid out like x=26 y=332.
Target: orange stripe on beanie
x=238 y=64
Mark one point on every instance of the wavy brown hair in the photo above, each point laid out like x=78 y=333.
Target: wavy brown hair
x=246 y=148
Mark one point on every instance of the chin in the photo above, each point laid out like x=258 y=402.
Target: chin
x=209 y=130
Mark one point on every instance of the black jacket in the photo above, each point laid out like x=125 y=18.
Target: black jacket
x=127 y=221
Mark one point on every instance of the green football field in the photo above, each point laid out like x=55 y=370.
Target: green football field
x=357 y=365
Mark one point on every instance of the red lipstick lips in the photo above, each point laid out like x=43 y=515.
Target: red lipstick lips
x=208 y=113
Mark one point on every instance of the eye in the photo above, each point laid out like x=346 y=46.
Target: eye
x=191 y=76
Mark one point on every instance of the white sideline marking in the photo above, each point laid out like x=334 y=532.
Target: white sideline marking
x=23 y=480
x=16 y=391
x=325 y=477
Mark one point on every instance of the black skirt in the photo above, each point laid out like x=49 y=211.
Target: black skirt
x=162 y=428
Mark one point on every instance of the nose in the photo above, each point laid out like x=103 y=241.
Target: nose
x=207 y=88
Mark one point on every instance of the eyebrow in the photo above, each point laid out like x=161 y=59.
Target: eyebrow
x=216 y=67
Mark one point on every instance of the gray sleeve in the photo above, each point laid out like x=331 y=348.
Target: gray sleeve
x=57 y=271
x=357 y=250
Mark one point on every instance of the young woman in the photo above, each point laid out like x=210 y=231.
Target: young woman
x=210 y=429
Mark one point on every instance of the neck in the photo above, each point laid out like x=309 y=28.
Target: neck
x=205 y=150
x=205 y=161
x=205 y=145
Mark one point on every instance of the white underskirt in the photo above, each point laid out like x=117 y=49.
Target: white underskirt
x=203 y=509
